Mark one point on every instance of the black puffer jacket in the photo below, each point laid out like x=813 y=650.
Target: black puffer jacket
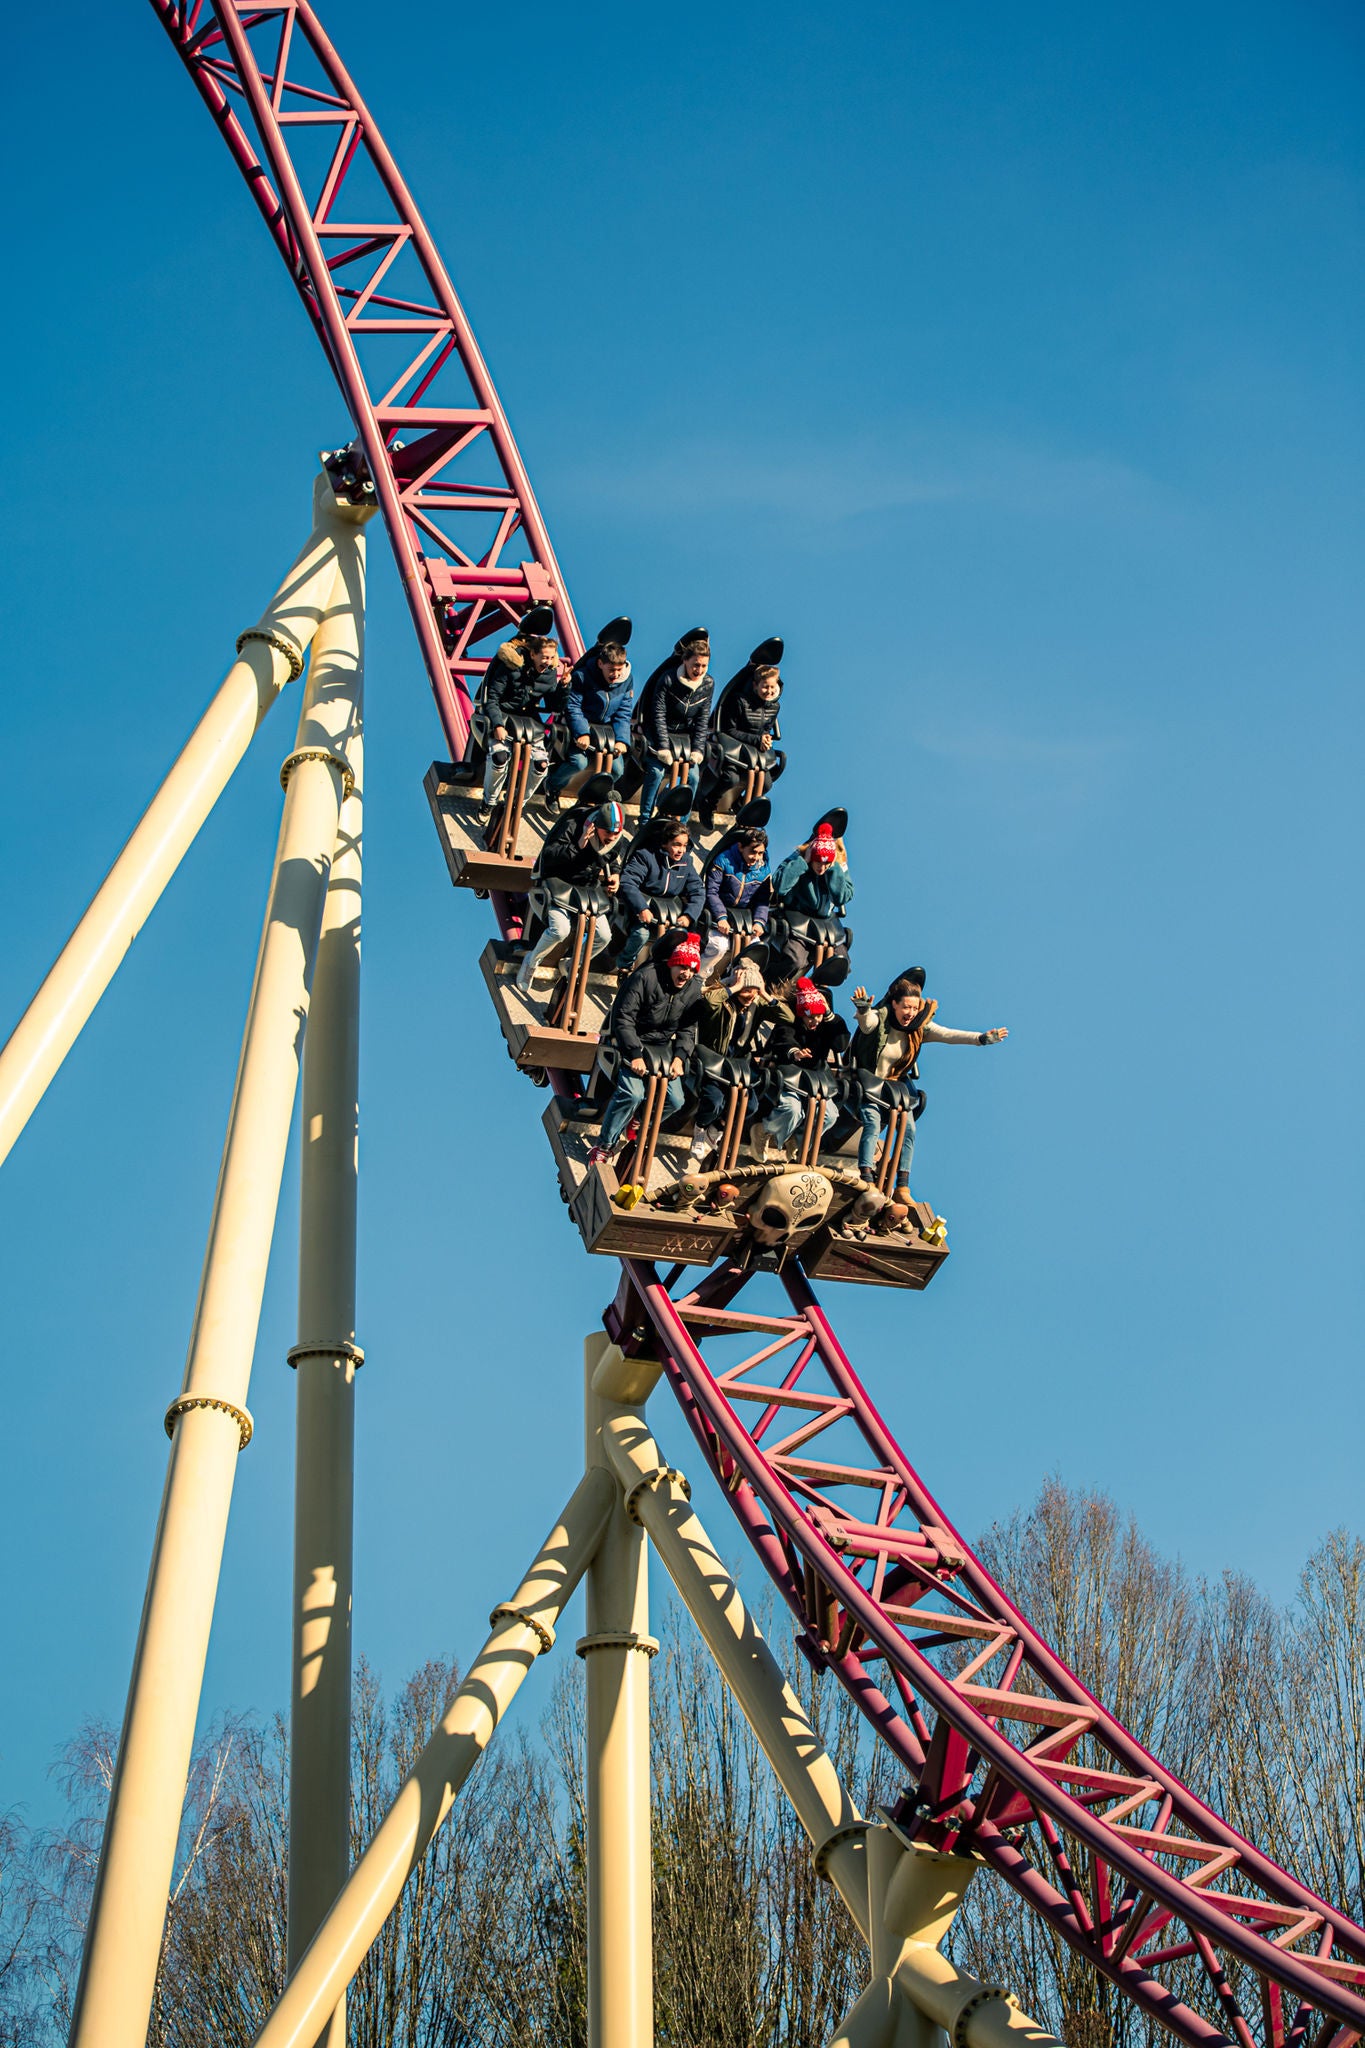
x=740 y=716
x=672 y=709
x=824 y=1040
x=564 y=859
x=650 y=1011
x=514 y=685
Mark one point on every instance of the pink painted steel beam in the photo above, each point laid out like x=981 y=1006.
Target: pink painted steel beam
x=277 y=65
x=805 y=1538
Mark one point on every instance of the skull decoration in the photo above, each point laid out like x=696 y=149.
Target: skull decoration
x=790 y=1202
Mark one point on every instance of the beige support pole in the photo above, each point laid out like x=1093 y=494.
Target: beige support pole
x=658 y=1497
x=208 y=1426
x=270 y=654
x=915 y=1894
x=326 y=1356
x=522 y=1627
x=616 y=1649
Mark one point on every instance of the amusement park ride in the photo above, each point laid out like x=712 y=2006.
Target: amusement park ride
x=1008 y=1763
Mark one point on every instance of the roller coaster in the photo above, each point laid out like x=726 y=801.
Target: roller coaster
x=1007 y=1763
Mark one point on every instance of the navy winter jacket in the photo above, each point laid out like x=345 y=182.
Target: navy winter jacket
x=592 y=701
x=648 y=873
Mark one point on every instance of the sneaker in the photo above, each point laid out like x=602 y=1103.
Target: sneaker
x=758 y=1143
x=599 y=1156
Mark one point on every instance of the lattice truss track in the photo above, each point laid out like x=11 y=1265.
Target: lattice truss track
x=1005 y=1753
x=471 y=546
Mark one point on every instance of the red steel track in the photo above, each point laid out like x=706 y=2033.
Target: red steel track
x=1005 y=1752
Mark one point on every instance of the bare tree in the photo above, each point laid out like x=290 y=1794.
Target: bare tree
x=1263 y=1710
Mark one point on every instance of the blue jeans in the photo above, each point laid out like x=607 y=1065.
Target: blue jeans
x=576 y=762
x=872 y=1120
x=638 y=936
x=626 y=1098
x=711 y=1103
x=789 y=1111
x=655 y=771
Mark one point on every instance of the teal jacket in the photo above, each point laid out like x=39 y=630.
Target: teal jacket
x=800 y=889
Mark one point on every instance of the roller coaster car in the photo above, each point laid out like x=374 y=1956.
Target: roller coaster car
x=757 y=1215
x=531 y=1039
x=455 y=806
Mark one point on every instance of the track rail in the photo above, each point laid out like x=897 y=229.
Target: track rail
x=1005 y=1752
x=448 y=475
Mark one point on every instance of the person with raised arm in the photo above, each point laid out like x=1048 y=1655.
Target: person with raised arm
x=886 y=1043
x=737 y=1016
x=814 y=881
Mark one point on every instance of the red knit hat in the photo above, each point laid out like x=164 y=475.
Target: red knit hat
x=687 y=953
x=809 y=1000
x=822 y=847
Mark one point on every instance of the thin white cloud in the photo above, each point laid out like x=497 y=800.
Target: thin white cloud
x=833 y=480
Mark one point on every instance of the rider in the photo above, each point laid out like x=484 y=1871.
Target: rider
x=813 y=882
x=739 y=878
x=522 y=680
x=887 y=1043
x=674 y=708
x=816 y=1036
x=578 y=848
x=735 y=1019
x=600 y=692
x=748 y=711
x=658 y=1007
x=660 y=864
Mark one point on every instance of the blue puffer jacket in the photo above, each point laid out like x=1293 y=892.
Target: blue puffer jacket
x=730 y=885
x=592 y=701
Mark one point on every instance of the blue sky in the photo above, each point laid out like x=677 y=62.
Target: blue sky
x=1007 y=363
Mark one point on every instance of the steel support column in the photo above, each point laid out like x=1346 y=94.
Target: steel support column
x=521 y=1628
x=658 y=1496
x=208 y=1424
x=616 y=1649
x=270 y=653
x=326 y=1355
x=901 y=1900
